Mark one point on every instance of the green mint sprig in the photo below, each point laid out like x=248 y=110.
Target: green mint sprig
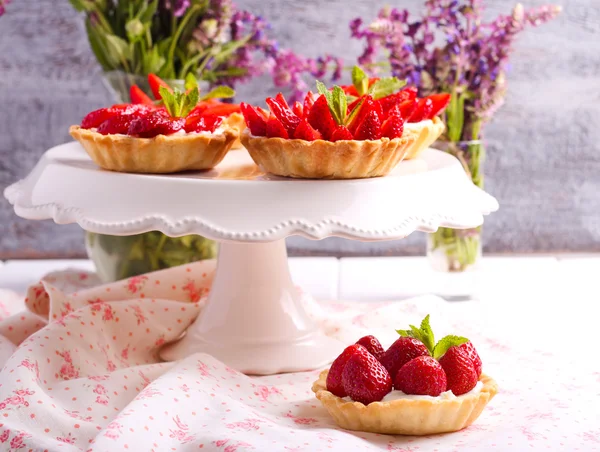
x=381 y=88
x=179 y=104
x=425 y=334
x=220 y=92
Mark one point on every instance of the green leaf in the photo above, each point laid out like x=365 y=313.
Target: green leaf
x=446 y=343
x=190 y=82
x=360 y=80
x=340 y=105
x=385 y=86
x=322 y=89
x=117 y=48
x=405 y=333
x=169 y=99
x=220 y=92
x=148 y=11
x=427 y=334
x=189 y=102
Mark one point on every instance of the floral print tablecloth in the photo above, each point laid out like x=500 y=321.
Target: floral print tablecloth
x=81 y=373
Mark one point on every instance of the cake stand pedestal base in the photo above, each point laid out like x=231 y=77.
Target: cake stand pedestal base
x=254 y=320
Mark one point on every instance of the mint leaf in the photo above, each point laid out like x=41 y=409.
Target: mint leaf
x=189 y=102
x=385 y=86
x=427 y=334
x=190 y=82
x=322 y=89
x=360 y=80
x=446 y=343
x=221 y=92
x=179 y=104
x=405 y=333
x=168 y=99
x=340 y=105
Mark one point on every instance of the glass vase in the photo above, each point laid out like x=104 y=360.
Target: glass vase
x=119 y=257
x=456 y=253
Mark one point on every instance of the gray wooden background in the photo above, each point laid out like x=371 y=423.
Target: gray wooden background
x=543 y=147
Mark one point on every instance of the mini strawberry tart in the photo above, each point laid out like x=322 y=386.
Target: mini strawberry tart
x=172 y=135
x=333 y=135
x=416 y=387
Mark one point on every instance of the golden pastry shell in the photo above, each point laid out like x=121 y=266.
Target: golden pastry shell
x=407 y=416
x=162 y=154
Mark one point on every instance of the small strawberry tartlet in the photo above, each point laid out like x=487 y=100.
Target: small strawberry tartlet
x=177 y=132
x=415 y=387
x=353 y=132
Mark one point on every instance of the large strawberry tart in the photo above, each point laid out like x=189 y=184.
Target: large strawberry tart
x=415 y=387
x=346 y=132
x=178 y=131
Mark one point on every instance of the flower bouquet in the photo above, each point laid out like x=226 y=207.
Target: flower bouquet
x=210 y=40
x=451 y=49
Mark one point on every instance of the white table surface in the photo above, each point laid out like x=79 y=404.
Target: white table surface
x=389 y=278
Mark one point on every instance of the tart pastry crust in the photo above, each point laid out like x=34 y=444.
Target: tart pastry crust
x=236 y=121
x=407 y=416
x=426 y=133
x=162 y=154
x=320 y=159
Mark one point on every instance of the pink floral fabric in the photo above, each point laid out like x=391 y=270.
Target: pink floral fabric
x=84 y=375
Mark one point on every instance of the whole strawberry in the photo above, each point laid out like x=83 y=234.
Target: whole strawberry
x=365 y=380
x=469 y=349
x=334 y=377
x=372 y=345
x=402 y=351
x=460 y=372
x=421 y=376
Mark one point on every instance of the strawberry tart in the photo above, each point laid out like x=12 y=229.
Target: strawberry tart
x=415 y=387
x=343 y=133
x=177 y=132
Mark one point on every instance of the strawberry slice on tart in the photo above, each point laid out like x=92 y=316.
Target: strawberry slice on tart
x=416 y=387
x=161 y=136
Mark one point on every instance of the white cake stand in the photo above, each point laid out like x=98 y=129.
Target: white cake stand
x=254 y=320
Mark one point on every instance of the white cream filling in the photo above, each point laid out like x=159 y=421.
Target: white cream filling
x=448 y=395
x=416 y=125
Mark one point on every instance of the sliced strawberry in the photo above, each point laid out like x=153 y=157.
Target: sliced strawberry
x=255 y=120
x=334 y=376
x=156 y=123
x=440 y=102
x=275 y=129
x=370 y=128
x=405 y=109
x=298 y=109
x=321 y=119
x=117 y=124
x=409 y=93
x=367 y=106
x=304 y=131
x=206 y=123
x=97 y=117
x=222 y=109
x=421 y=376
x=341 y=133
x=423 y=110
x=392 y=127
x=280 y=108
x=155 y=83
x=138 y=96
x=373 y=346
x=309 y=100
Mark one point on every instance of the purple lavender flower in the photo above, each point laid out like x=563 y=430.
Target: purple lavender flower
x=177 y=7
x=3 y=4
x=449 y=48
